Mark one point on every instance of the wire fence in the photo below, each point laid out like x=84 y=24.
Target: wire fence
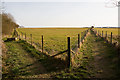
x=67 y=51
x=109 y=38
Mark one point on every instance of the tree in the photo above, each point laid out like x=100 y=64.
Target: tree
x=112 y=3
x=8 y=24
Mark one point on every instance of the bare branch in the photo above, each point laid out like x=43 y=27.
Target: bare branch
x=112 y=3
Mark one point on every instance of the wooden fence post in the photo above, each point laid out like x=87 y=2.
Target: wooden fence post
x=106 y=35
x=98 y=32
x=81 y=36
x=42 y=43
x=95 y=31
x=31 y=38
x=102 y=33
x=22 y=35
x=19 y=37
x=68 y=65
x=78 y=40
x=111 y=38
x=25 y=36
x=85 y=33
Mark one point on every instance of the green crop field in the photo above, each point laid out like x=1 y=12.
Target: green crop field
x=55 y=39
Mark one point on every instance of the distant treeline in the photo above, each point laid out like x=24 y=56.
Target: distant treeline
x=8 y=24
x=107 y=27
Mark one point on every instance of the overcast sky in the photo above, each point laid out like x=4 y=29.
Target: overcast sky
x=62 y=12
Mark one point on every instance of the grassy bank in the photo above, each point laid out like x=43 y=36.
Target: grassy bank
x=23 y=60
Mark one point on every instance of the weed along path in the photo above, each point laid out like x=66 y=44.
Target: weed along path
x=99 y=57
x=22 y=62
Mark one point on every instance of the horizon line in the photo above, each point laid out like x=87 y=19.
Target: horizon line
x=68 y=26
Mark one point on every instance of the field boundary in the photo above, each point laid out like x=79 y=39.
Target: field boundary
x=71 y=52
x=99 y=34
x=76 y=50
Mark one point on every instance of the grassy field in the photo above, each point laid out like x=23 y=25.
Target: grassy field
x=55 y=39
